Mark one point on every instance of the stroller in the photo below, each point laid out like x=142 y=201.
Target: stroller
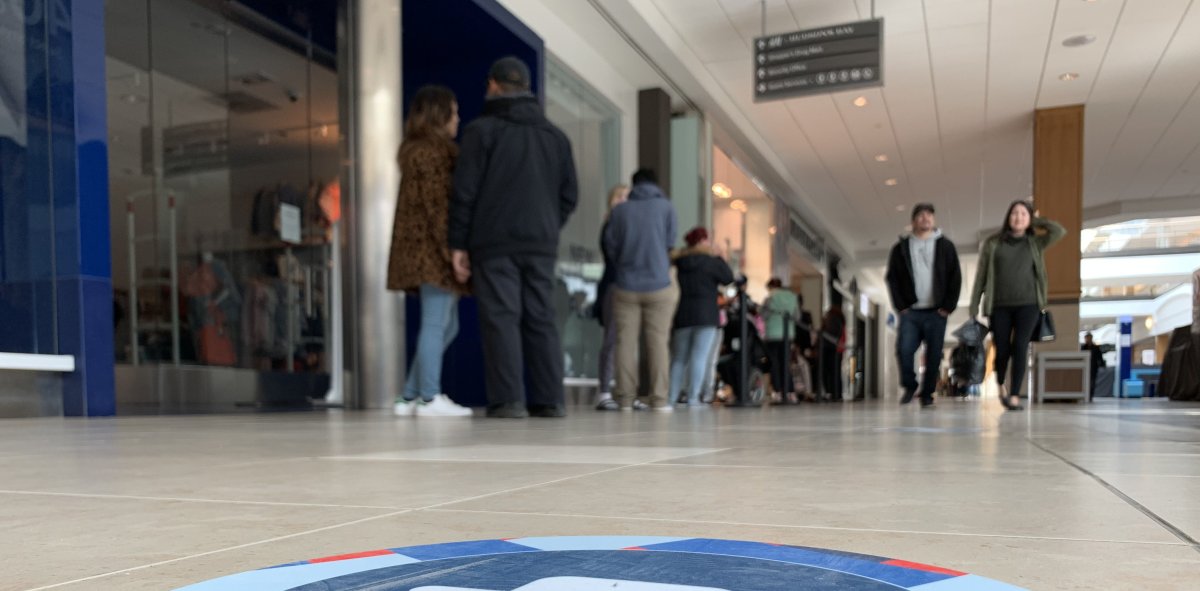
x=968 y=360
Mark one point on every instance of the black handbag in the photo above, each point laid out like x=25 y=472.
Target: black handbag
x=1045 y=328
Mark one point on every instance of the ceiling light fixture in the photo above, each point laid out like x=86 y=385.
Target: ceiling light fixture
x=772 y=230
x=881 y=157
x=1069 y=76
x=891 y=182
x=739 y=205
x=1078 y=40
x=722 y=190
x=860 y=101
x=901 y=208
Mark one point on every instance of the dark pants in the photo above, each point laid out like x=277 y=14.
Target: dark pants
x=520 y=338
x=1012 y=329
x=779 y=352
x=609 y=346
x=917 y=326
x=831 y=371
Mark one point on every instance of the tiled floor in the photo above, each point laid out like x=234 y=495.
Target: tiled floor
x=157 y=503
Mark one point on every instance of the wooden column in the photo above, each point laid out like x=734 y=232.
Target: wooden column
x=654 y=134
x=1058 y=195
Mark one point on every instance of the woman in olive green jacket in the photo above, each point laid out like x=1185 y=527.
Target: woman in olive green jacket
x=1012 y=274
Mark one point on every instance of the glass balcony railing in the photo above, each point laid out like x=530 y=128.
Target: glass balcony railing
x=1127 y=292
x=1142 y=236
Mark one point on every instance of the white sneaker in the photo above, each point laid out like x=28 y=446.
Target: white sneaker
x=442 y=406
x=405 y=408
x=667 y=408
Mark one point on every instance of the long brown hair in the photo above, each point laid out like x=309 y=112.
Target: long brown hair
x=431 y=109
x=1006 y=229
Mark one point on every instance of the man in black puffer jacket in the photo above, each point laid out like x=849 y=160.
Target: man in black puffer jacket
x=514 y=189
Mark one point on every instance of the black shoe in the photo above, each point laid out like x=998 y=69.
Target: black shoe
x=908 y=396
x=507 y=411
x=927 y=403
x=1008 y=402
x=547 y=411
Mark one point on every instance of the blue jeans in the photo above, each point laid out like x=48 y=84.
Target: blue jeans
x=439 y=326
x=917 y=326
x=691 y=351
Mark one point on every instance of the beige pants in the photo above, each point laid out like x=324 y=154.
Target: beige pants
x=645 y=319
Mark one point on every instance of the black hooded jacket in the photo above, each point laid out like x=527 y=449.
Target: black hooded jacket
x=514 y=185
x=947 y=276
x=700 y=276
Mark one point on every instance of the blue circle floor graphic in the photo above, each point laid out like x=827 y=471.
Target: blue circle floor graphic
x=622 y=563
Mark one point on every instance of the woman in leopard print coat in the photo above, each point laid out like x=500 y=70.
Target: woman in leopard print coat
x=420 y=259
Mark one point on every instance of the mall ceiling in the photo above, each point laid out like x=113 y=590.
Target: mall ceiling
x=954 y=120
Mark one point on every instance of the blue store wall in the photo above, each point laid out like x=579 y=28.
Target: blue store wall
x=55 y=274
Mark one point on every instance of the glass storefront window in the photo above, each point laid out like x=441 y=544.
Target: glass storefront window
x=222 y=143
x=593 y=126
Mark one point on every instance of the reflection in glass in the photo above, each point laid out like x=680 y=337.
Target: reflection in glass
x=593 y=126
x=222 y=143
x=27 y=266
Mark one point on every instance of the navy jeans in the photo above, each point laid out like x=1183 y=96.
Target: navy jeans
x=917 y=326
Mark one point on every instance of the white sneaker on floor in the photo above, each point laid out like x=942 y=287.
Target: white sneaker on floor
x=405 y=408
x=442 y=406
x=666 y=408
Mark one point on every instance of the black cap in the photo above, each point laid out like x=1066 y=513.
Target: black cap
x=511 y=71
x=920 y=207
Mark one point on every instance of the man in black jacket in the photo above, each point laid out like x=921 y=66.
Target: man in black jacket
x=924 y=279
x=514 y=188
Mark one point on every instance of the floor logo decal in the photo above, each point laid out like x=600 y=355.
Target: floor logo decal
x=622 y=563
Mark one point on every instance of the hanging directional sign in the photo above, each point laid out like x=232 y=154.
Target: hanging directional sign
x=816 y=61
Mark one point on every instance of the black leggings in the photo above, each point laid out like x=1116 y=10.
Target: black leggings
x=1012 y=329
x=779 y=352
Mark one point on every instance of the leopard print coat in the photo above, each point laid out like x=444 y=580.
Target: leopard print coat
x=419 y=251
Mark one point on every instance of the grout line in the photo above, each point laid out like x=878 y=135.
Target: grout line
x=937 y=112
x=1149 y=79
x=1037 y=97
x=221 y=550
x=805 y=527
x=468 y=461
x=188 y=500
x=349 y=523
x=1112 y=35
x=1167 y=525
x=877 y=470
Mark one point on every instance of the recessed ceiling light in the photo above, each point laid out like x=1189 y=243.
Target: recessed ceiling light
x=722 y=190
x=1078 y=40
x=1069 y=76
x=891 y=182
x=771 y=230
x=860 y=101
x=739 y=205
x=901 y=207
x=881 y=157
